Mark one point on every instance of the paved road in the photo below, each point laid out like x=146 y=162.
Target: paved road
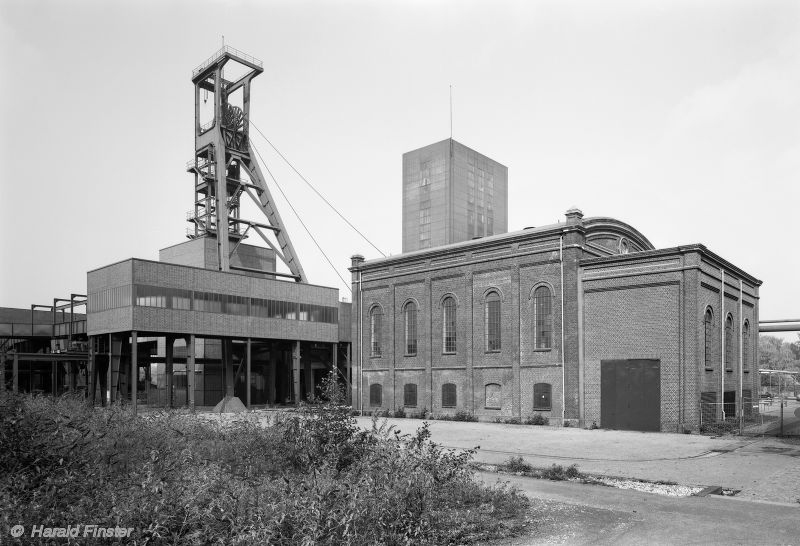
x=762 y=468
x=573 y=513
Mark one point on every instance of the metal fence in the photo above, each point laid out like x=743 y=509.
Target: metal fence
x=767 y=415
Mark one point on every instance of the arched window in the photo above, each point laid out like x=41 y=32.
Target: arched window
x=541 y=396
x=542 y=318
x=729 y=341
x=492 y=321
x=410 y=320
x=449 y=325
x=746 y=344
x=492 y=397
x=708 y=332
x=449 y=397
x=410 y=395
x=375 y=329
x=375 y=395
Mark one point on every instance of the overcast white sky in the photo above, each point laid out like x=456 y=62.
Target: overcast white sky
x=680 y=118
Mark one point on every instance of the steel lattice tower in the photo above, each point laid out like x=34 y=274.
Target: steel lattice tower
x=224 y=165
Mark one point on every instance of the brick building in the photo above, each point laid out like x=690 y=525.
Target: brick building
x=582 y=320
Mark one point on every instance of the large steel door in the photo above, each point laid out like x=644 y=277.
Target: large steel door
x=630 y=394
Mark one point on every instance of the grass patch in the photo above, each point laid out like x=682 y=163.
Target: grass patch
x=311 y=477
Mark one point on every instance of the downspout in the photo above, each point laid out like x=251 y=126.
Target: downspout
x=722 y=342
x=360 y=345
x=741 y=357
x=563 y=368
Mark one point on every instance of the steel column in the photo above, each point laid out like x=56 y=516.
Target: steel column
x=247 y=378
x=134 y=370
x=296 y=370
x=190 y=371
x=15 y=374
x=168 y=369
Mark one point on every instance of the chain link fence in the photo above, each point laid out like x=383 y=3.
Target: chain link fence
x=766 y=415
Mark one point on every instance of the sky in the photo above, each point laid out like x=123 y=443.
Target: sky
x=679 y=118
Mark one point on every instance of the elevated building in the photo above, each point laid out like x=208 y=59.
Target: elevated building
x=215 y=322
x=451 y=193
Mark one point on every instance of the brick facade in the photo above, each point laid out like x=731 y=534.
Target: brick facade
x=614 y=297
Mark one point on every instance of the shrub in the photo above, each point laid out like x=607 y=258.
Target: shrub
x=399 y=413
x=463 y=416
x=311 y=477
x=537 y=419
x=558 y=472
x=516 y=464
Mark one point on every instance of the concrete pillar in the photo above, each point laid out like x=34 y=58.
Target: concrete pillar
x=115 y=359
x=272 y=373
x=190 y=372
x=54 y=378
x=92 y=371
x=247 y=373
x=2 y=372
x=168 y=369
x=71 y=376
x=309 y=379
x=335 y=360
x=349 y=372
x=296 y=370
x=227 y=366
x=134 y=370
x=15 y=373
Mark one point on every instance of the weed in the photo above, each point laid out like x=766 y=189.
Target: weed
x=537 y=419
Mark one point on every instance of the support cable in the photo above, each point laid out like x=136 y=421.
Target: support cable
x=303 y=178
x=298 y=217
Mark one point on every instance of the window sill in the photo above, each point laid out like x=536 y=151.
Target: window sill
x=492 y=407
x=746 y=371
x=543 y=350
x=729 y=370
x=709 y=369
x=542 y=409
x=449 y=354
x=375 y=356
x=495 y=351
x=410 y=355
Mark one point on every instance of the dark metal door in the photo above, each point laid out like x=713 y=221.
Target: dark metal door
x=630 y=394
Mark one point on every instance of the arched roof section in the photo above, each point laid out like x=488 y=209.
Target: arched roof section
x=615 y=236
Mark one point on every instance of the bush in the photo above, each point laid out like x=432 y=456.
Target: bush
x=463 y=416
x=399 y=413
x=516 y=464
x=312 y=477
x=558 y=472
x=537 y=419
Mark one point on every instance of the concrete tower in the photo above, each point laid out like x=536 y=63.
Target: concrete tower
x=452 y=193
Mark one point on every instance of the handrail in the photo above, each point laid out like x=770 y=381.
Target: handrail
x=222 y=51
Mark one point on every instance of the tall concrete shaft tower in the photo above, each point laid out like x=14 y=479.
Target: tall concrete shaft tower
x=224 y=165
x=451 y=193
